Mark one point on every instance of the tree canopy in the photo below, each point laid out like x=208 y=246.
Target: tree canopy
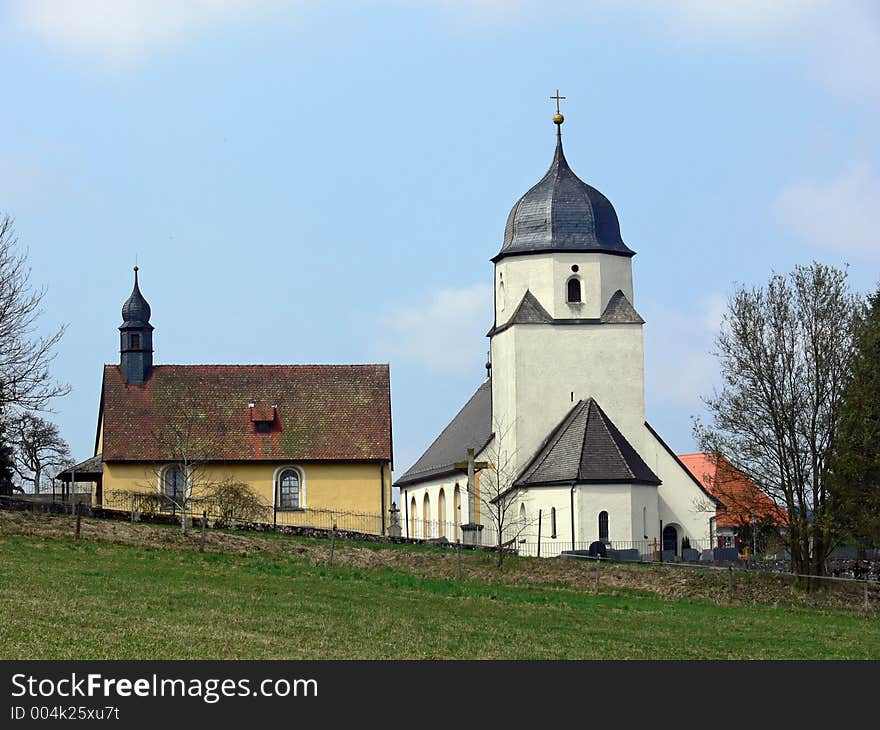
x=856 y=458
x=785 y=352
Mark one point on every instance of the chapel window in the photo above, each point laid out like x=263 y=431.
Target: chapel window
x=573 y=291
x=553 y=522
x=135 y=342
x=173 y=486
x=288 y=489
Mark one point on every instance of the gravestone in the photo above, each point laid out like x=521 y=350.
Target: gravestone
x=690 y=555
x=598 y=550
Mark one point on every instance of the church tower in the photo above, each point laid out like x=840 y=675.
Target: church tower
x=136 y=338
x=565 y=327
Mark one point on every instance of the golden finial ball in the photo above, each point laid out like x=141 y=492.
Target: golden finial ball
x=558 y=118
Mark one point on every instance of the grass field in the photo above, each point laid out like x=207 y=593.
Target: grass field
x=93 y=599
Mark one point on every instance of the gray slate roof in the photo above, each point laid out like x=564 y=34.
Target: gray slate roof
x=562 y=213
x=471 y=428
x=93 y=466
x=136 y=309
x=620 y=311
x=586 y=447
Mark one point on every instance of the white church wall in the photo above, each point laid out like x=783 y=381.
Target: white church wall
x=615 y=499
x=682 y=502
x=504 y=388
x=645 y=514
x=557 y=365
x=547 y=275
x=412 y=520
x=546 y=499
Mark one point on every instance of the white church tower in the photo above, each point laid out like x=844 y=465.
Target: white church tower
x=565 y=327
x=562 y=411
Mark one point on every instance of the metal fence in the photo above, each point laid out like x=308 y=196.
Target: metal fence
x=230 y=512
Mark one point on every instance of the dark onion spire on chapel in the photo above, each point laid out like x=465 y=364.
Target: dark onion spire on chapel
x=136 y=338
x=562 y=213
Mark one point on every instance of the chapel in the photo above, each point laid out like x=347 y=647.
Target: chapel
x=313 y=442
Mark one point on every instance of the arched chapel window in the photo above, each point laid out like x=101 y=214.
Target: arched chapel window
x=173 y=485
x=288 y=489
x=603 y=526
x=573 y=291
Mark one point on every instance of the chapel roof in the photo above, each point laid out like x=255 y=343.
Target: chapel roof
x=320 y=412
x=136 y=310
x=470 y=428
x=562 y=213
x=586 y=447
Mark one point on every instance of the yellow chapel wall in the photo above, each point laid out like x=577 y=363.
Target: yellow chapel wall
x=350 y=487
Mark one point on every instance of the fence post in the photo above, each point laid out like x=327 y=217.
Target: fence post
x=78 y=524
x=598 y=561
x=332 y=543
x=132 y=509
x=202 y=541
x=539 y=533
x=730 y=584
x=867 y=605
x=459 y=560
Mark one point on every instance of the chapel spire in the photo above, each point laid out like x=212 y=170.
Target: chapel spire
x=136 y=338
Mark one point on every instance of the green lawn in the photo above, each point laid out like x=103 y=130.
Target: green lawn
x=61 y=599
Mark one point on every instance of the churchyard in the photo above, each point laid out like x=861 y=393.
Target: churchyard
x=138 y=591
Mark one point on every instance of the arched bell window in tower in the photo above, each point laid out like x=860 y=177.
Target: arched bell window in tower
x=501 y=296
x=573 y=291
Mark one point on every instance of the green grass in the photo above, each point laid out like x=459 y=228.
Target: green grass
x=66 y=600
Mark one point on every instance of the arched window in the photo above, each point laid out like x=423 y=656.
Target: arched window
x=456 y=508
x=288 y=489
x=603 y=526
x=173 y=486
x=441 y=513
x=501 y=297
x=573 y=291
x=553 y=522
x=426 y=517
x=412 y=517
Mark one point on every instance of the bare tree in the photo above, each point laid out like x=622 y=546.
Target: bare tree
x=39 y=451
x=500 y=499
x=25 y=382
x=785 y=352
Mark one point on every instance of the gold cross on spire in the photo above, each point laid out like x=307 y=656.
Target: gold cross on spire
x=558 y=119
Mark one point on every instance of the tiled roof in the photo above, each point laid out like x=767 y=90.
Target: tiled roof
x=471 y=428
x=586 y=447
x=324 y=412
x=740 y=497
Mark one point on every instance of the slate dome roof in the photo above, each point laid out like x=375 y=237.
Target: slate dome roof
x=562 y=213
x=136 y=308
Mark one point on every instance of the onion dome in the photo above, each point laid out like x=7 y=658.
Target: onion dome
x=562 y=213
x=136 y=309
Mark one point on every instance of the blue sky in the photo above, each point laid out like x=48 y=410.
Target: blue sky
x=325 y=182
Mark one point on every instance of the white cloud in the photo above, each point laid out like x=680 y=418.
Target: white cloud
x=679 y=366
x=838 y=213
x=445 y=332
x=123 y=32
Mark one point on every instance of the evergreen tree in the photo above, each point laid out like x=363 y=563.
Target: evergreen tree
x=856 y=462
